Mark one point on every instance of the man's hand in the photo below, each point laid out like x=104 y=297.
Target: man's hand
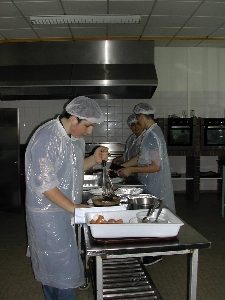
x=100 y=154
x=124 y=172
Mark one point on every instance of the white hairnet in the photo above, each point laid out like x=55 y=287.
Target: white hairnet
x=131 y=120
x=143 y=108
x=85 y=108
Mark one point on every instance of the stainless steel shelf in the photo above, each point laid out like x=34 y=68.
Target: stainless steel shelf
x=210 y=178
x=127 y=278
x=182 y=177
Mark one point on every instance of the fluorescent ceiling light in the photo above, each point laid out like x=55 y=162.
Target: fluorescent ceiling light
x=84 y=19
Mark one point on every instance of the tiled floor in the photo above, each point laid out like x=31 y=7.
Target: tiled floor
x=17 y=281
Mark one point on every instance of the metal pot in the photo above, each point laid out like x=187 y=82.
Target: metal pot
x=142 y=201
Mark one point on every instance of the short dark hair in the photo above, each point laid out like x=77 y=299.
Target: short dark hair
x=66 y=115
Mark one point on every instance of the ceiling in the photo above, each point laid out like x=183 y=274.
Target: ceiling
x=171 y=23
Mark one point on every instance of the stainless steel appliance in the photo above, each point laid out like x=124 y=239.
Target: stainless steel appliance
x=213 y=133
x=63 y=70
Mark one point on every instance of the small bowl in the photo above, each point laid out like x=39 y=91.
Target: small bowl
x=133 y=220
x=141 y=214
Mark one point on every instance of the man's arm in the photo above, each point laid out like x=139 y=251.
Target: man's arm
x=127 y=171
x=57 y=197
x=132 y=162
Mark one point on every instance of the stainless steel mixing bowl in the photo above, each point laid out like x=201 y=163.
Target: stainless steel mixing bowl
x=141 y=201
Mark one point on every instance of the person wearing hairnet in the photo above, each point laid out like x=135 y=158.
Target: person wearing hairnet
x=152 y=163
x=133 y=142
x=132 y=146
x=55 y=164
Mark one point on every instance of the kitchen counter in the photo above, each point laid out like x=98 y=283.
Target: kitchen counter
x=188 y=242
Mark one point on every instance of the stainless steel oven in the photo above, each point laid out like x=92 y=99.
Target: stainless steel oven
x=213 y=133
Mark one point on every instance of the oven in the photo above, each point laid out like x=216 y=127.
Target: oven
x=213 y=133
x=180 y=133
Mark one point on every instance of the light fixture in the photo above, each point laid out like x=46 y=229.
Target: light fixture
x=84 y=19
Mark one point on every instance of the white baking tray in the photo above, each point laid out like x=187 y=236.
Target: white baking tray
x=127 y=230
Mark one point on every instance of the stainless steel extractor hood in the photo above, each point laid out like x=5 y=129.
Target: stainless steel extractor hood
x=63 y=70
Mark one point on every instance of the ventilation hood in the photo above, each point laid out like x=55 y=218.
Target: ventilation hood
x=63 y=70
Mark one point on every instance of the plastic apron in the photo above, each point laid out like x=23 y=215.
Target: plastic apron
x=133 y=144
x=53 y=159
x=159 y=184
x=132 y=149
x=129 y=142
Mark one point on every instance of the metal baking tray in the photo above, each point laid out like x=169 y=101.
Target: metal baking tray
x=169 y=227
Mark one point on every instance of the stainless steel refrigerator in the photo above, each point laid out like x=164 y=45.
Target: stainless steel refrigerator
x=10 y=197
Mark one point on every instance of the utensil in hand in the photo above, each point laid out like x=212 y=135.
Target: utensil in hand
x=159 y=211
x=107 y=187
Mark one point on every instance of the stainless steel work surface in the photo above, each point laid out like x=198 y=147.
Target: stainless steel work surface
x=127 y=279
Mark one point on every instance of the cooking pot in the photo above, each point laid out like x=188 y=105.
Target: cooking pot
x=141 y=201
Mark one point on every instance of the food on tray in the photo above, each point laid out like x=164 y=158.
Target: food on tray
x=101 y=220
x=99 y=201
x=130 y=228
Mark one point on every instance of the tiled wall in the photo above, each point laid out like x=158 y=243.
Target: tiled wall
x=113 y=129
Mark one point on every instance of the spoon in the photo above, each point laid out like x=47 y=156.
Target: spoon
x=149 y=213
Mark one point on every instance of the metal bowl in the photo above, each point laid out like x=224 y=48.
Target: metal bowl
x=141 y=201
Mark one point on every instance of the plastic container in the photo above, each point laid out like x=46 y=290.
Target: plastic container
x=127 y=229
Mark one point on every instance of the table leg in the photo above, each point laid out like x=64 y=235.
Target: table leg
x=223 y=188
x=99 y=278
x=192 y=272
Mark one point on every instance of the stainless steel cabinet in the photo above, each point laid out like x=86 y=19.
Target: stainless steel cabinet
x=9 y=159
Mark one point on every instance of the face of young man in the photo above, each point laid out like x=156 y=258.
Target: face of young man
x=141 y=120
x=136 y=129
x=80 y=129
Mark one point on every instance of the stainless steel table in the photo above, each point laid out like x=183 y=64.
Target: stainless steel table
x=188 y=242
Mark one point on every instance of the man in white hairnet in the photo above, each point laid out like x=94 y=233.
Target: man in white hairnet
x=132 y=146
x=152 y=163
x=55 y=164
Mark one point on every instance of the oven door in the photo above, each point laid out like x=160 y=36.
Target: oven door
x=180 y=135
x=214 y=136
